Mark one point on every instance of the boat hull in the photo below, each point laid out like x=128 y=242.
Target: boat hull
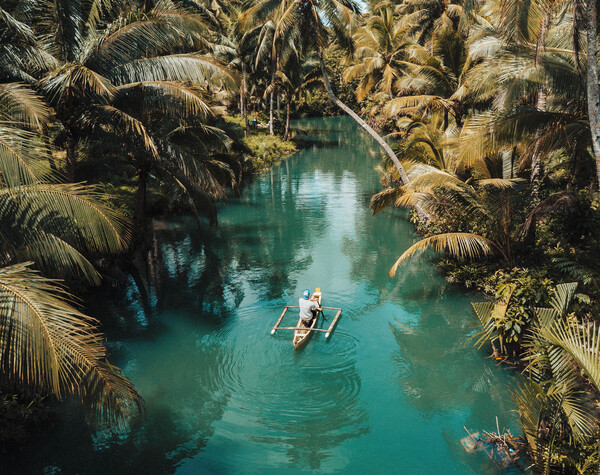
x=302 y=336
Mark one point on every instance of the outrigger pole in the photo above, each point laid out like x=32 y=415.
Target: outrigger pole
x=335 y=319
x=285 y=309
x=327 y=332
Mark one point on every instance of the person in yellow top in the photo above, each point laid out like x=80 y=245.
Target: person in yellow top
x=308 y=308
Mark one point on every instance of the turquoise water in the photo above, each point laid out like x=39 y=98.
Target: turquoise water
x=388 y=392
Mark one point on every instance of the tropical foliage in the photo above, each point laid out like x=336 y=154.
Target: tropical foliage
x=558 y=402
x=490 y=108
x=130 y=96
x=98 y=80
x=492 y=121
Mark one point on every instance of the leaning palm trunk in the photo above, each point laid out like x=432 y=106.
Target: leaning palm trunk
x=362 y=123
x=593 y=97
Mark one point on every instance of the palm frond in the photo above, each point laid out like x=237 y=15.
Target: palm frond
x=98 y=227
x=563 y=295
x=484 y=311
x=97 y=116
x=456 y=244
x=73 y=82
x=195 y=68
x=22 y=156
x=580 y=344
x=384 y=198
x=171 y=98
x=48 y=345
x=20 y=105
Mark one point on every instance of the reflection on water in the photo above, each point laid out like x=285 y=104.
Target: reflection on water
x=389 y=392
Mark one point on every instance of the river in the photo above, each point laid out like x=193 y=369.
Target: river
x=388 y=392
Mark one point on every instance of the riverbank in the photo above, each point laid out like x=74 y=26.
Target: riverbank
x=538 y=264
x=263 y=150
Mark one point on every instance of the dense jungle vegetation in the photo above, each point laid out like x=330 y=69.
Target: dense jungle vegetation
x=113 y=111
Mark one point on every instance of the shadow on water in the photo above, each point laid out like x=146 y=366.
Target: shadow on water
x=177 y=387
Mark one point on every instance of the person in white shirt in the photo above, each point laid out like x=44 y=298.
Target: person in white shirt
x=308 y=308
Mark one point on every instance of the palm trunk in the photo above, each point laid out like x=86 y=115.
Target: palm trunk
x=363 y=124
x=71 y=156
x=287 y=119
x=243 y=101
x=593 y=98
x=458 y=114
x=278 y=107
x=271 y=131
x=139 y=220
x=536 y=159
x=536 y=172
x=47 y=143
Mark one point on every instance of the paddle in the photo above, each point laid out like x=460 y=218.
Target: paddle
x=322 y=313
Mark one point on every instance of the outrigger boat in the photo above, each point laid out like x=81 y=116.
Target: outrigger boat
x=301 y=331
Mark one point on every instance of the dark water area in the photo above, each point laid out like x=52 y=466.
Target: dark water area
x=388 y=392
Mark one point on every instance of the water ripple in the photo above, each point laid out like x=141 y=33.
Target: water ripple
x=273 y=386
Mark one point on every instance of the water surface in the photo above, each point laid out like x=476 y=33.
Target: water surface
x=389 y=392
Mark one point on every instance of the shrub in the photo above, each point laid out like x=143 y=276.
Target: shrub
x=267 y=150
x=523 y=290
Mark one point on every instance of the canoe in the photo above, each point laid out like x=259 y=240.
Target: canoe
x=302 y=336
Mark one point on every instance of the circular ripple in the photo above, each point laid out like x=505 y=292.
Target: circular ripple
x=276 y=388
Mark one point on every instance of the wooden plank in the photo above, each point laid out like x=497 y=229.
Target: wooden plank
x=332 y=308
x=330 y=329
x=285 y=309
x=301 y=328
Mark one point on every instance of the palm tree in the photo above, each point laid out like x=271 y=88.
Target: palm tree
x=46 y=344
x=99 y=49
x=293 y=77
x=435 y=82
x=136 y=81
x=239 y=48
x=164 y=127
x=311 y=24
x=485 y=204
x=269 y=52
x=538 y=72
x=381 y=54
x=426 y=17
